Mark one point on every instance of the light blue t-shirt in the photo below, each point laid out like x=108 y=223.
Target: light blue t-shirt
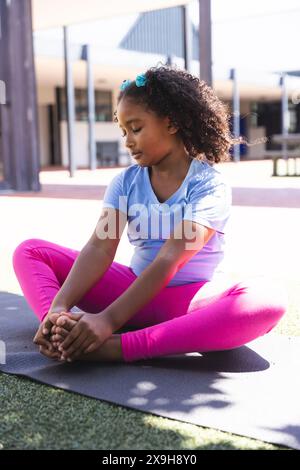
x=204 y=197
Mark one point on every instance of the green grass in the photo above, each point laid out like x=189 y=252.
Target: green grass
x=37 y=416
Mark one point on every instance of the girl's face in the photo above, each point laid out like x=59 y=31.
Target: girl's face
x=150 y=137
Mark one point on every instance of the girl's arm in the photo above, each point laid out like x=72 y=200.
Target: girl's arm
x=90 y=265
x=175 y=252
x=93 y=260
x=149 y=283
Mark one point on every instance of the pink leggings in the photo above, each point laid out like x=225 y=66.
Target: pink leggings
x=175 y=321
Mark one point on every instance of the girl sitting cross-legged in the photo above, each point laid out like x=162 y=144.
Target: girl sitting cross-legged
x=177 y=205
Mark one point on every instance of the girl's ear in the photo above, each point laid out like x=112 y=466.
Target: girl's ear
x=171 y=128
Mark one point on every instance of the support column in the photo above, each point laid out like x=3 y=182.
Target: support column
x=187 y=37
x=284 y=114
x=19 y=123
x=91 y=106
x=205 y=41
x=236 y=113
x=70 y=101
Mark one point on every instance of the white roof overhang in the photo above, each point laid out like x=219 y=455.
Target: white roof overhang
x=49 y=14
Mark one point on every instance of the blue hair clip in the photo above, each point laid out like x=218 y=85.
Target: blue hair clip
x=139 y=81
x=125 y=84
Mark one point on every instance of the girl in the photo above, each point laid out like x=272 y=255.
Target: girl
x=176 y=129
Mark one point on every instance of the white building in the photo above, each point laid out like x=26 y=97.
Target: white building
x=140 y=41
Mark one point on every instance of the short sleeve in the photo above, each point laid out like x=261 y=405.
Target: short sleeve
x=114 y=195
x=210 y=204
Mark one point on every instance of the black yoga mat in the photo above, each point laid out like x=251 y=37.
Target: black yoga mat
x=252 y=391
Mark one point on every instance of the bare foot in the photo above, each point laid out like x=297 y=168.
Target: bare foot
x=110 y=350
x=63 y=324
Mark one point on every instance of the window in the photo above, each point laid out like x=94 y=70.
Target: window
x=103 y=105
x=253 y=115
x=292 y=118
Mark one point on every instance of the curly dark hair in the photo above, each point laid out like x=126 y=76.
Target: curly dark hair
x=202 y=119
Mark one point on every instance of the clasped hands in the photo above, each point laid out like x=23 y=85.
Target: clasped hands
x=67 y=336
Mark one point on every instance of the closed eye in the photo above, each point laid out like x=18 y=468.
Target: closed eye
x=134 y=131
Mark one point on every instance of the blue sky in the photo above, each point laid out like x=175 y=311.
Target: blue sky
x=249 y=34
